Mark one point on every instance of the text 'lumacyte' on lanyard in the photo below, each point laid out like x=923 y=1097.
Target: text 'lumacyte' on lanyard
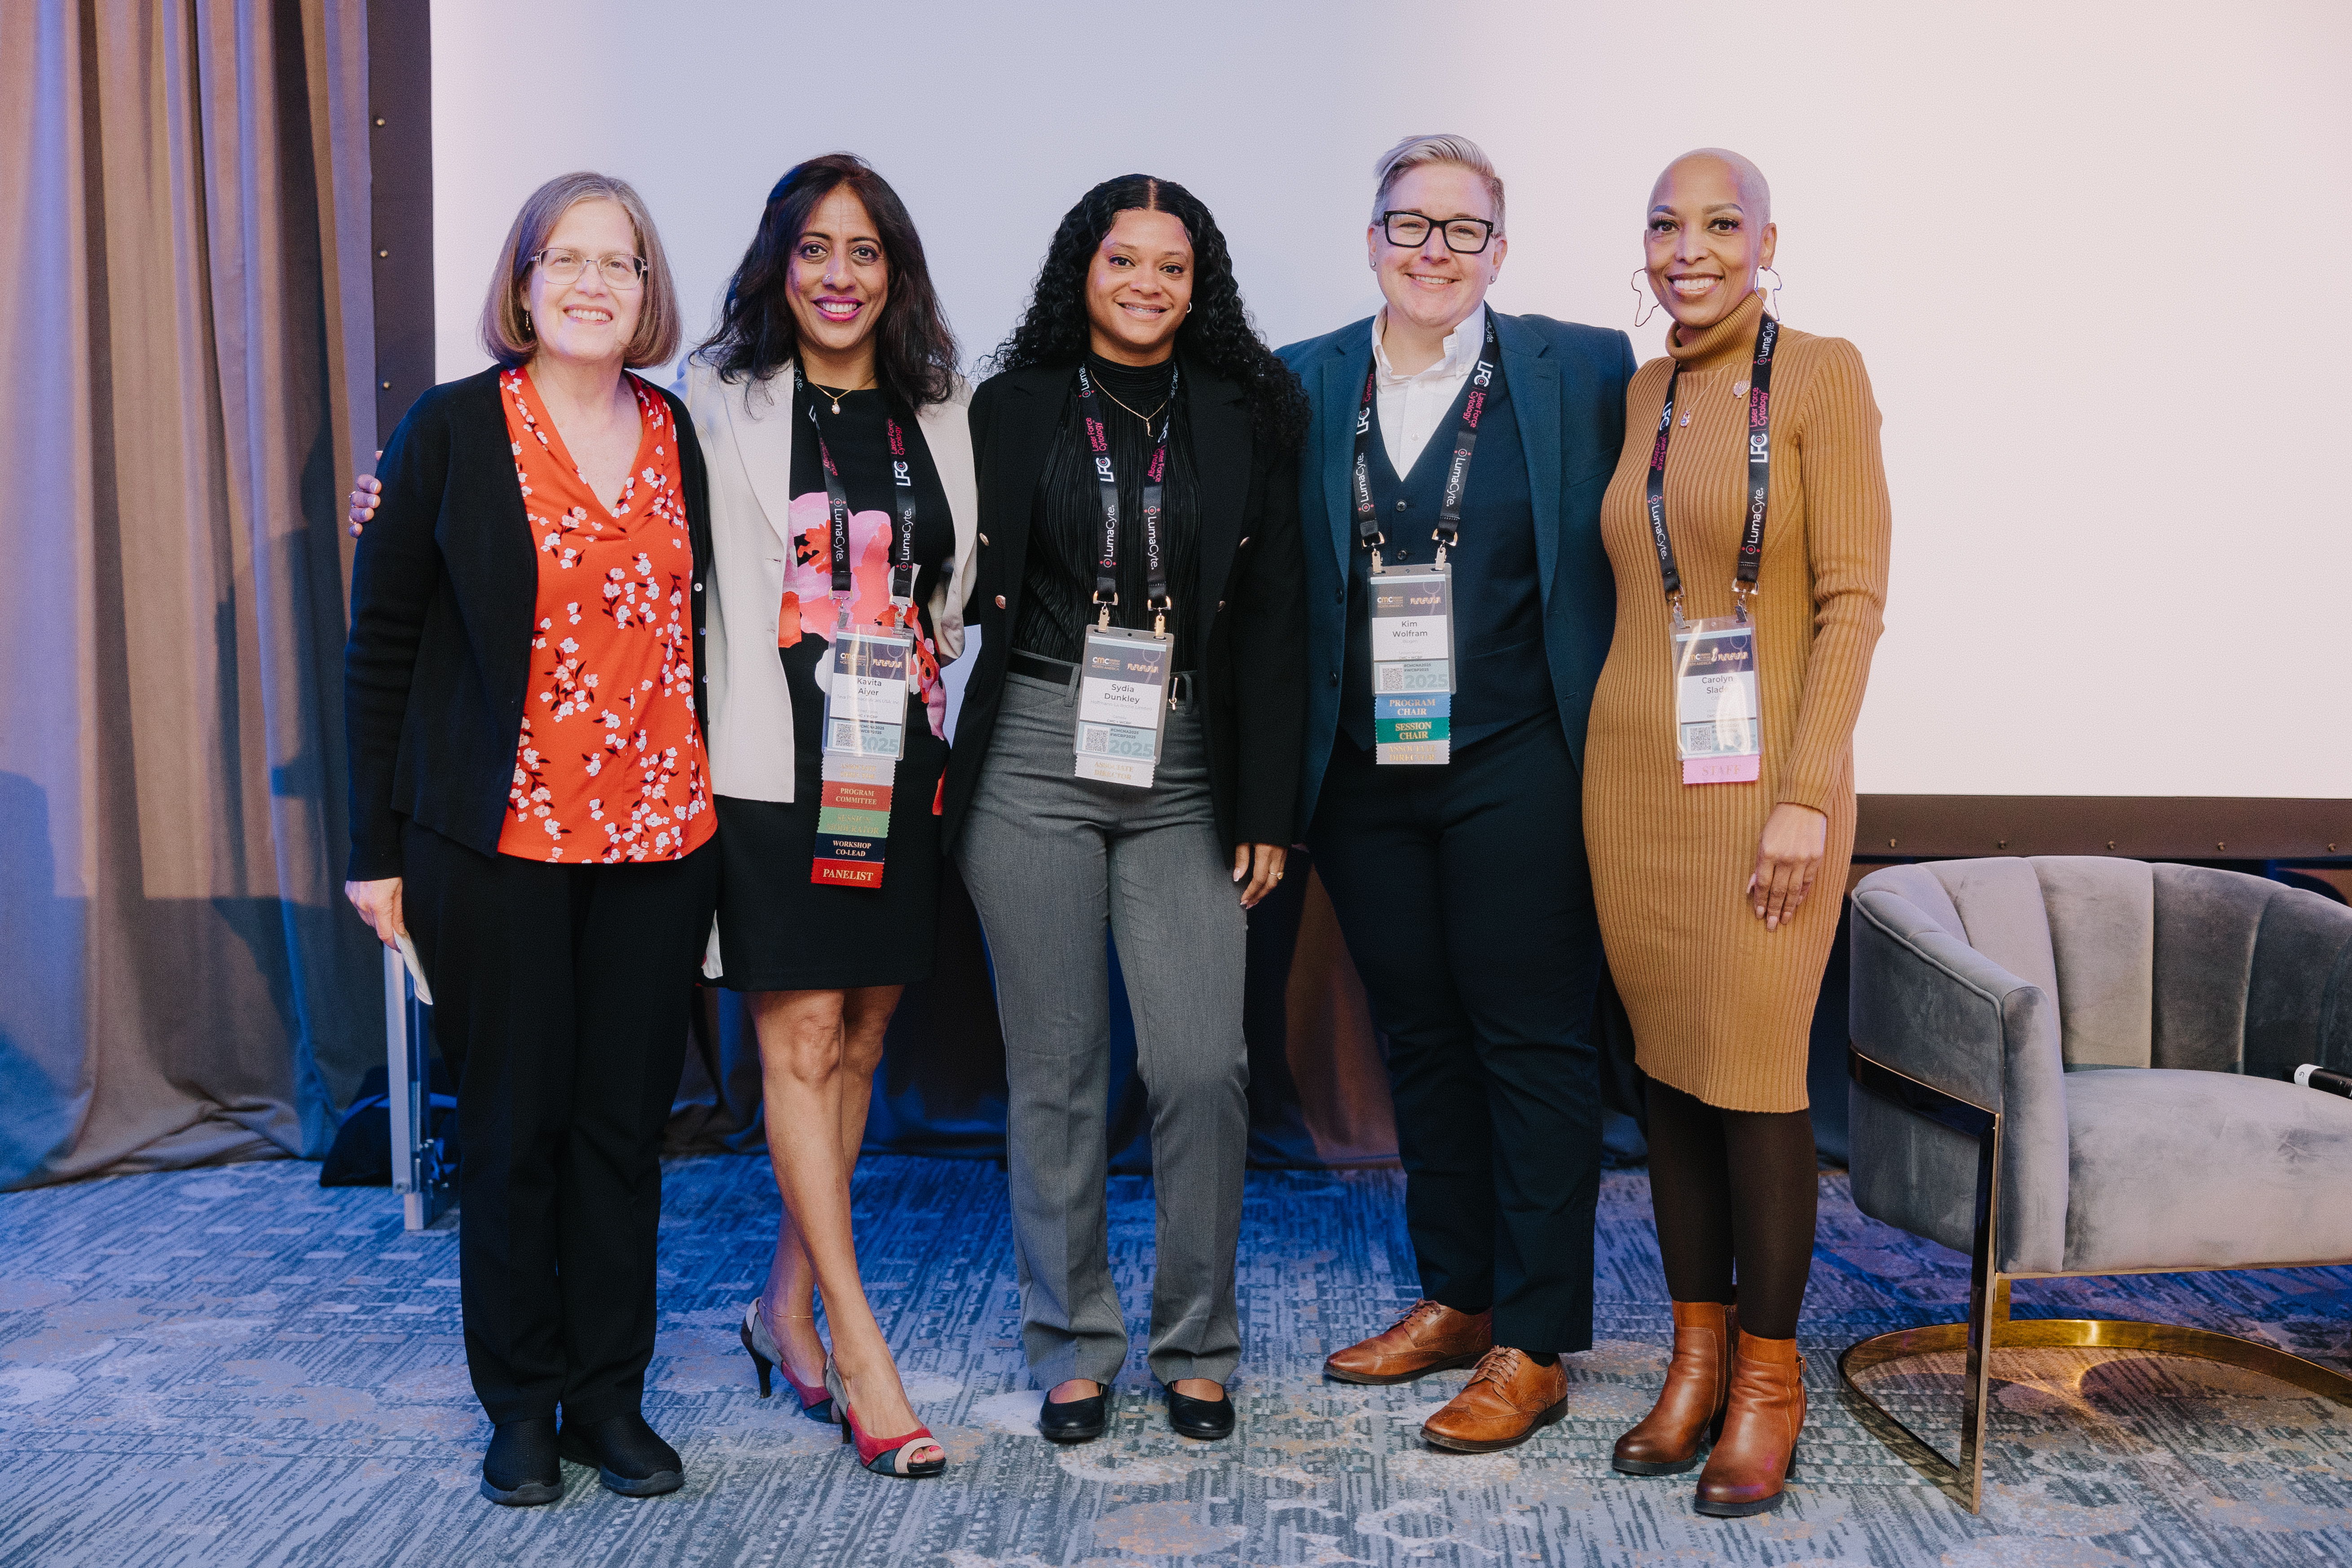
x=1717 y=736
x=1123 y=683
x=869 y=670
x=1412 y=609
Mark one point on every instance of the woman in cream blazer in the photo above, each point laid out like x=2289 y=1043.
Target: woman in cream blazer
x=840 y=455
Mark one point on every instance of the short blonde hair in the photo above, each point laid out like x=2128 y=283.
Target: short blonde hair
x=506 y=330
x=1415 y=151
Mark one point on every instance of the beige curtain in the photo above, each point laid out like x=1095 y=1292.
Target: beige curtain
x=187 y=349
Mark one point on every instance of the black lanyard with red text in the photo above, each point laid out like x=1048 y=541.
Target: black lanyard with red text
x=1155 y=478
x=1475 y=397
x=1759 y=475
x=902 y=551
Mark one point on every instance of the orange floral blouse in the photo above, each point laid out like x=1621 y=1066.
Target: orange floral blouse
x=610 y=764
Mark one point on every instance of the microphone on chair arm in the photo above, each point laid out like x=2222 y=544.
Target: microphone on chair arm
x=2327 y=1080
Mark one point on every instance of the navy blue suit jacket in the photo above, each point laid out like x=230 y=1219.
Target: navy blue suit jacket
x=1568 y=387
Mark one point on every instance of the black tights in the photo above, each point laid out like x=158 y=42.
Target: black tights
x=1727 y=1185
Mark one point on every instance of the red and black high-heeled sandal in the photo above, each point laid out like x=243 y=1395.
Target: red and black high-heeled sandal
x=816 y=1401
x=881 y=1455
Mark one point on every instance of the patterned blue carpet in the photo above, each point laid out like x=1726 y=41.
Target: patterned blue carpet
x=234 y=1366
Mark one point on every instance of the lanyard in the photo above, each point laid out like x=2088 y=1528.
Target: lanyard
x=902 y=561
x=1155 y=570
x=1760 y=473
x=1457 y=473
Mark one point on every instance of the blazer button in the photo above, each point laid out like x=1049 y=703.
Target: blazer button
x=1220 y=606
x=1000 y=601
x=698 y=587
x=1335 y=678
x=1402 y=505
x=1338 y=595
x=984 y=539
x=1244 y=540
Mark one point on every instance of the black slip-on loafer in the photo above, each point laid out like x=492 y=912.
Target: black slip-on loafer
x=627 y=1455
x=521 y=1469
x=1075 y=1420
x=1205 y=1419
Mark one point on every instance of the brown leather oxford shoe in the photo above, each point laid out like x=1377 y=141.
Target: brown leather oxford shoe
x=1430 y=1338
x=1502 y=1405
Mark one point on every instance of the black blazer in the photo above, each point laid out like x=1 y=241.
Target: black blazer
x=442 y=593
x=1250 y=604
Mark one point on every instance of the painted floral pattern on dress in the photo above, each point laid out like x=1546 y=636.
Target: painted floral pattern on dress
x=609 y=767
x=808 y=581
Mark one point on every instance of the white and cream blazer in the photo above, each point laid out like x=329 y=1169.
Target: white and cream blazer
x=747 y=431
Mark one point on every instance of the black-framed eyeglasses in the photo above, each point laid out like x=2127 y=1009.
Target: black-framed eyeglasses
x=623 y=273
x=1464 y=235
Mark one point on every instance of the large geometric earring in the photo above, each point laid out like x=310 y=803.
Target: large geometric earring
x=1645 y=305
x=1773 y=299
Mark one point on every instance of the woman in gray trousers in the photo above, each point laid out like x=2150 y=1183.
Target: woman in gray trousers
x=1138 y=509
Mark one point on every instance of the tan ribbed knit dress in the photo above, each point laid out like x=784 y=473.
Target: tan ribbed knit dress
x=1722 y=1009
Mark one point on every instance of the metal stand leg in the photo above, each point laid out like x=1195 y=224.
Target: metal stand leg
x=424 y=1182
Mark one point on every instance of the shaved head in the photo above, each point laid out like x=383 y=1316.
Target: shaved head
x=1755 y=191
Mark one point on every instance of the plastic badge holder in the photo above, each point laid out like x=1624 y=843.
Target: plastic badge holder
x=1122 y=705
x=1413 y=666
x=865 y=737
x=1716 y=729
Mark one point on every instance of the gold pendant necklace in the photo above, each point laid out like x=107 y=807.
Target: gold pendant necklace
x=1147 y=419
x=846 y=390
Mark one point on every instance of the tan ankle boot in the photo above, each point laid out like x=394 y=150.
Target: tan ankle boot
x=1690 y=1407
x=1758 y=1451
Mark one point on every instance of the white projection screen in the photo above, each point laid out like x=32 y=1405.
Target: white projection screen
x=2093 y=253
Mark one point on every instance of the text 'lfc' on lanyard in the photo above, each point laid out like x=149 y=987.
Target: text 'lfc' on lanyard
x=836 y=500
x=1155 y=476
x=1759 y=474
x=1457 y=472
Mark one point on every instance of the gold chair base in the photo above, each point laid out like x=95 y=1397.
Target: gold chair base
x=1964 y=1486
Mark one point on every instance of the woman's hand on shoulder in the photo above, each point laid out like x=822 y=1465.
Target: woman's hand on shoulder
x=1787 y=858
x=367 y=492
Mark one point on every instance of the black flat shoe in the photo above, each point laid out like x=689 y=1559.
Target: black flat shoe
x=520 y=1468
x=1075 y=1420
x=1205 y=1419
x=628 y=1455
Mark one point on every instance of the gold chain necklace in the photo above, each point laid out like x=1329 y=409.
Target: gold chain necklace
x=846 y=390
x=1147 y=419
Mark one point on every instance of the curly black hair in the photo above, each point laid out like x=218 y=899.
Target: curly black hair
x=1218 y=334
x=914 y=350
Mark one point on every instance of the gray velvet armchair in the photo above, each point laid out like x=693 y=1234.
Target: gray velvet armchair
x=2074 y=1066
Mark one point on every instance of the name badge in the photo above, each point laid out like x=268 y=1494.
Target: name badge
x=1715 y=731
x=1413 y=666
x=865 y=738
x=1122 y=705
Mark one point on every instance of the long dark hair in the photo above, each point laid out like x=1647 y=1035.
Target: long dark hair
x=914 y=350
x=1217 y=334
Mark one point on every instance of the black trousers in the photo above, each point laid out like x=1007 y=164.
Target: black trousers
x=560 y=995
x=1464 y=895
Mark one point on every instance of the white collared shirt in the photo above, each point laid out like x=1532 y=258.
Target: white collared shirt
x=1411 y=406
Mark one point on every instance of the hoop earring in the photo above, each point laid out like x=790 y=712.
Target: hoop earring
x=1644 y=305
x=1773 y=299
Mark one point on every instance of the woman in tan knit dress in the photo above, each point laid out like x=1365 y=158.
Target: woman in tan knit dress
x=1718 y=900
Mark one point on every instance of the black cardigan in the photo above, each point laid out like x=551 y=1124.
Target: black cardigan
x=1250 y=603
x=443 y=591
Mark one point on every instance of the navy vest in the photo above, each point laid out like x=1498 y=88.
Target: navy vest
x=1500 y=673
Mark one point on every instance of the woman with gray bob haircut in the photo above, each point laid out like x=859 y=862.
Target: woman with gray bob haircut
x=530 y=810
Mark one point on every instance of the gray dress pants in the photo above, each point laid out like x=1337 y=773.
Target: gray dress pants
x=1050 y=860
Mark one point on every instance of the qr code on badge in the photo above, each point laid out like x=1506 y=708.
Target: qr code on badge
x=1098 y=739
x=1392 y=679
